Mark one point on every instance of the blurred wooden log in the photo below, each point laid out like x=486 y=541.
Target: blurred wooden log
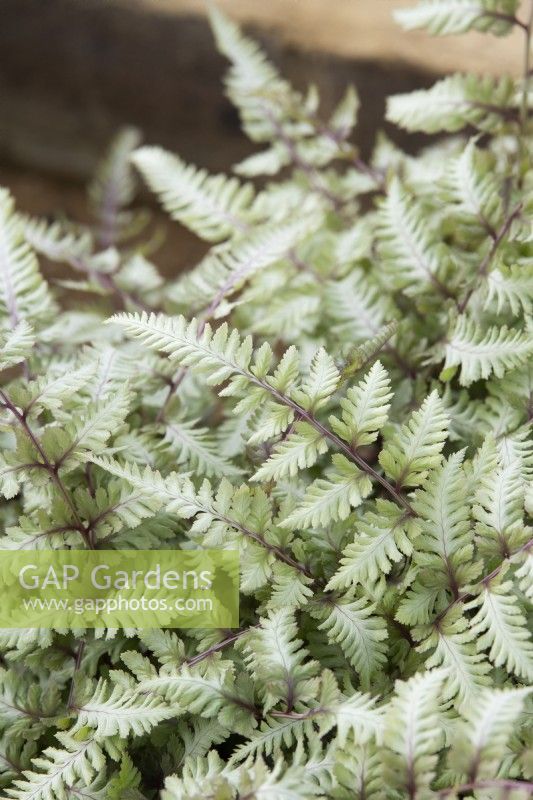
x=73 y=71
x=365 y=29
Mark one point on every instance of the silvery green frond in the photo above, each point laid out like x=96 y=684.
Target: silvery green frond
x=226 y=269
x=365 y=408
x=415 y=448
x=59 y=768
x=212 y=206
x=382 y=538
x=458 y=16
x=194 y=446
x=485 y=730
x=16 y=345
x=344 y=401
x=480 y=353
x=410 y=250
x=56 y=240
x=111 y=710
x=358 y=631
x=113 y=186
x=455 y=102
x=411 y=733
x=454 y=649
x=501 y=626
x=331 y=498
x=24 y=295
x=278 y=662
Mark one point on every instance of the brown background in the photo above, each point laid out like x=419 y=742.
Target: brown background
x=73 y=71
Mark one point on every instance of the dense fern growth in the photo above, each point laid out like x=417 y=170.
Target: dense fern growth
x=342 y=391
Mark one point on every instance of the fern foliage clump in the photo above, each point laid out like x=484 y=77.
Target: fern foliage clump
x=341 y=391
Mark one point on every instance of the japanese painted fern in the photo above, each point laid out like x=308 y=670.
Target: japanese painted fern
x=342 y=391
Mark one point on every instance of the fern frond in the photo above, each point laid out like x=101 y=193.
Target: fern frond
x=481 y=353
x=113 y=186
x=365 y=353
x=198 y=690
x=197 y=448
x=453 y=103
x=474 y=189
x=226 y=269
x=290 y=588
x=24 y=294
x=222 y=354
x=499 y=508
x=51 y=391
x=418 y=603
x=278 y=663
x=442 y=506
x=59 y=768
x=416 y=447
x=382 y=538
x=212 y=206
x=251 y=69
x=361 y=634
x=56 y=240
x=481 y=741
x=365 y=408
x=500 y=625
x=253 y=84
x=147 y=480
x=525 y=575
x=93 y=428
x=112 y=710
x=16 y=345
x=300 y=450
x=455 y=651
x=330 y=499
x=458 y=16
x=272 y=735
x=355 y=713
x=412 y=731
x=356 y=306
x=319 y=384
x=407 y=245
x=15 y=757
x=509 y=289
